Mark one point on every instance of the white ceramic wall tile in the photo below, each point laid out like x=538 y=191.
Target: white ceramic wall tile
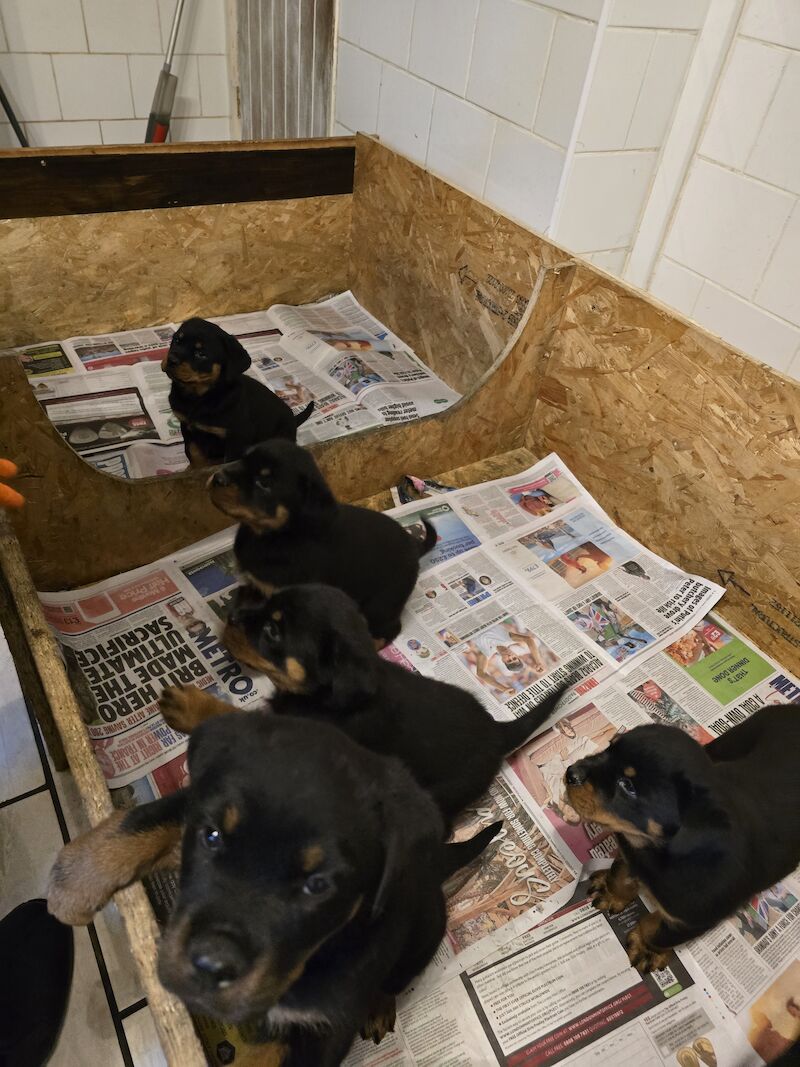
x=524 y=174
x=615 y=88
x=441 y=42
x=144 y=74
x=202 y=27
x=358 y=83
x=612 y=260
x=460 y=142
x=386 y=29
x=776 y=155
x=88 y=1036
x=404 y=116
x=94 y=87
x=3 y=41
x=20 y=767
x=30 y=86
x=780 y=289
x=744 y=94
x=741 y=324
x=56 y=134
x=211 y=129
x=349 y=25
x=214 y=87
x=794 y=367
x=340 y=130
x=726 y=226
x=143 y=1042
x=122 y=26
x=567 y=66
x=661 y=87
x=675 y=286
x=8 y=139
x=659 y=14
x=43 y=25
x=585 y=9
x=509 y=55
x=773 y=20
x=603 y=200
x=123 y=131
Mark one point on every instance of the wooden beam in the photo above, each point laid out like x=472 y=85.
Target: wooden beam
x=73 y=181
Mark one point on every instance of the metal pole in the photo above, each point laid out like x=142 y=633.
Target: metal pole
x=173 y=37
x=12 y=118
x=164 y=96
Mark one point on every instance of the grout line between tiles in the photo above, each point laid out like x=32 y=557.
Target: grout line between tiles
x=23 y=796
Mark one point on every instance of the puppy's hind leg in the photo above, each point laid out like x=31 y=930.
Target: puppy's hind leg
x=650 y=941
x=184 y=707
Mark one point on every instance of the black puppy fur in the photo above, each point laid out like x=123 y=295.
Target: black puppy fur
x=221 y=411
x=293 y=530
x=314 y=644
x=310 y=884
x=701 y=829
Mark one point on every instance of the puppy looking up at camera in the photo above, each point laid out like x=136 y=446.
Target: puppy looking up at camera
x=220 y=409
x=313 y=643
x=294 y=531
x=702 y=830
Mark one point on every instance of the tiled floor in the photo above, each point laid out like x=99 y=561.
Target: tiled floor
x=108 y=1022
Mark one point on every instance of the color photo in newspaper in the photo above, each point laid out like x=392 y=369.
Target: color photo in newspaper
x=109 y=398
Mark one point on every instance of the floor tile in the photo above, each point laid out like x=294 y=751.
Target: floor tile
x=143 y=1041
x=20 y=768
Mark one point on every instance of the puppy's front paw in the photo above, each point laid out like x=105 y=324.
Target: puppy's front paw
x=642 y=956
x=80 y=885
x=603 y=897
x=181 y=706
x=381 y=1020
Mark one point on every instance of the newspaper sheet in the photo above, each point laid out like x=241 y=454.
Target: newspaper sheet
x=109 y=398
x=528 y=972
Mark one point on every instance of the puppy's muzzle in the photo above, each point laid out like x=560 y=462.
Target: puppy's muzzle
x=575 y=774
x=217 y=959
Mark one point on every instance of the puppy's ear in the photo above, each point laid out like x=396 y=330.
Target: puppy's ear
x=319 y=503
x=412 y=831
x=237 y=359
x=697 y=821
x=349 y=662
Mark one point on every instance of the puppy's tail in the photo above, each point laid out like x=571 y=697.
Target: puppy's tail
x=514 y=734
x=427 y=542
x=459 y=853
x=306 y=413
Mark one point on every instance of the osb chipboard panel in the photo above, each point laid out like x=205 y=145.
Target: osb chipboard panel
x=81 y=526
x=446 y=273
x=78 y=274
x=687 y=443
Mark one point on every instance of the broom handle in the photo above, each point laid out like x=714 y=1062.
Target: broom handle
x=173 y=37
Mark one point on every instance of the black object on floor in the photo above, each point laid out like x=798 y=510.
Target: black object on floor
x=36 y=957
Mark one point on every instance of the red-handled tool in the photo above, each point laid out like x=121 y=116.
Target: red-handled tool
x=164 y=96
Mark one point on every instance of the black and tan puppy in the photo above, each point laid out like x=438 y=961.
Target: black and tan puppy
x=314 y=644
x=221 y=410
x=293 y=530
x=310 y=882
x=702 y=830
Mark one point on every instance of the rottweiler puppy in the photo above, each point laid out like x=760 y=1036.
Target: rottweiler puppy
x=702 y=830
x=293 y=530
x=310 y=882
x=220 y=409
x=314 y=644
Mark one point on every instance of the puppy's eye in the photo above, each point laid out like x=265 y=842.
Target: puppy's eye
x=316 y=884
x=626 y=786
x=211 y=837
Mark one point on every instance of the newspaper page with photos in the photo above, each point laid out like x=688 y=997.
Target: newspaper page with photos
x=109 y=398
x=528 y=973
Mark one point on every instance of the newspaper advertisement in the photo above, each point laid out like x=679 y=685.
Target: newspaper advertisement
x=497 y=610
x=106 y=394
x=528 y=972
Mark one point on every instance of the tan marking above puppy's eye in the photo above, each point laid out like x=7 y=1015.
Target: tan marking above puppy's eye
x=630 y=772
x=655 y=829
x=311 y=858
x=231 y=818
x=277 y=616
x=265 y=472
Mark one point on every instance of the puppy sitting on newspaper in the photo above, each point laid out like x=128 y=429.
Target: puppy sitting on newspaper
x=702 y=830
x=221 y=410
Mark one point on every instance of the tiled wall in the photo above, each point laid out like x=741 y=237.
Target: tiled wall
x=84 y=71
x=731 y=259
x=553 y=111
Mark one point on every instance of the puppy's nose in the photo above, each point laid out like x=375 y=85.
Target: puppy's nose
x=221 y=479
x=217 y=959
x=576 y=775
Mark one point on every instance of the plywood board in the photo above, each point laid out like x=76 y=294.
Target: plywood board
x=690 y=445
x=451 y=276
x=86 y=274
